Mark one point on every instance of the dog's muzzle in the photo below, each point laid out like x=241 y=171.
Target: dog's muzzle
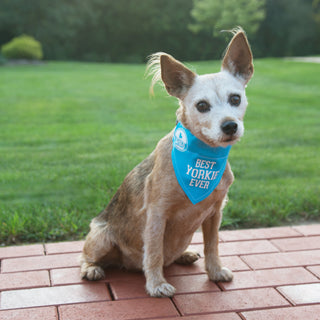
x=229 y=127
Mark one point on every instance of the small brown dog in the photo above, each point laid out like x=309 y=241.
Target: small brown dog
x=183 y=183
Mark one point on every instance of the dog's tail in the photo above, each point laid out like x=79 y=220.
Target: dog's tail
x=154 y=69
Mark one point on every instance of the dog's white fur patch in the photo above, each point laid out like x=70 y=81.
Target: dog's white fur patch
x=215 y=89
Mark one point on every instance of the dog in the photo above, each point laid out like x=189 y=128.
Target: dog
x=183 y=184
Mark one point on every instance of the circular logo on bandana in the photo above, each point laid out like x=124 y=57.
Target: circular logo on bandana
x=181 y=140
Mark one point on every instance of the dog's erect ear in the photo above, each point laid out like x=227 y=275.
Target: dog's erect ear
x=238 y=58
x=176 y=77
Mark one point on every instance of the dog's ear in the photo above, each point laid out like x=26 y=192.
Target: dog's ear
x=238 y=57
x=176 y=77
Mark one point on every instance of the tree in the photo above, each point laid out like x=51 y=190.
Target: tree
x=217 y=15
x=316 y=10
x=55 y=23
x=288 y=29
x=129 y=30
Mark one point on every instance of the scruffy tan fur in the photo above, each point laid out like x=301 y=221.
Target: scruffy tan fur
x=149 y=222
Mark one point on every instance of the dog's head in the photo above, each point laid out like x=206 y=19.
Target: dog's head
x=212 y=106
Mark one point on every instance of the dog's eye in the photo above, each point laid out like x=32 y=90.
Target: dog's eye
x=203 y=106
x=234 y=100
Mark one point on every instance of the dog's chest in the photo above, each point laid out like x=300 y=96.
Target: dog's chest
x=189 y=218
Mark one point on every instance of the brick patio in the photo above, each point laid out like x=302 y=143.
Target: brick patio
x=276 y=276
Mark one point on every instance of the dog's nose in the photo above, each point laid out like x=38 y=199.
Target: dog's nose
x=229 y=127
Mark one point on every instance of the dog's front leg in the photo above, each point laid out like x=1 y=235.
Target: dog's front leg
x=210 y=230
x=156 y=284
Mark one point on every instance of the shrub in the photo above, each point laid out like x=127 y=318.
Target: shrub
x=22 y=47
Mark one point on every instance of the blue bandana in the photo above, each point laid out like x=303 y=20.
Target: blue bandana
x=198 y=167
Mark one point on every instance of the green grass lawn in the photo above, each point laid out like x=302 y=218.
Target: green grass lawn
x=70 y=132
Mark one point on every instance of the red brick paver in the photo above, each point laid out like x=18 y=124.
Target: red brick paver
x=229 y=301
x=21 y=280
x=45 y=313
x=276 y=276
x=22 y=251
x=283 y=259
x=39 y=263
x=54 y=296
x=63 y=247
x=294 y=244
x=293 y=313
x=120 y=310
x=302 y=294
x=259 y=234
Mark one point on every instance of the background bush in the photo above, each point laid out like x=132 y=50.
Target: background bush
x=23 y=47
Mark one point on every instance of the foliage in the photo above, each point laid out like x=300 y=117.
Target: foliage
x=316 y=10
x=3 y=60
x=288 y=30
x=217 y=15
x=106 y=30
x=74 y=130
x=130 y=30
x=22 y=47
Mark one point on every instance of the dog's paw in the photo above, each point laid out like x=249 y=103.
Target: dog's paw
x=224 y=274
x=92 y=273
x=163 y=290
x=188 y=257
